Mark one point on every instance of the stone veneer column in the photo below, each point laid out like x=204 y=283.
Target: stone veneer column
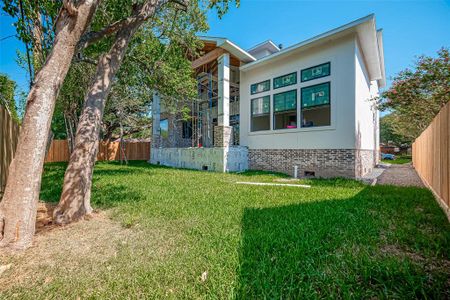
x=156 y=117
x=222 y=132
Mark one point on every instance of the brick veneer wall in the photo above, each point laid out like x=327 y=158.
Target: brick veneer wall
x=365 y=161
x=323 y=162
x=222 y=136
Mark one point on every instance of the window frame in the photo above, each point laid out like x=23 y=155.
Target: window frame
x=278 y=77
x=251 y=85
x=302 y=70
x=259 y=115
x=296 y=110
x=322 y=105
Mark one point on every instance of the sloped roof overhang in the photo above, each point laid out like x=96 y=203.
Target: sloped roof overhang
x=370 y=42
x=229 y=46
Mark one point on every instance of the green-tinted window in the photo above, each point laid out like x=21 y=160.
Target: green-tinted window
x=285 y=80
x=316 y=95
x=261 y=105
x=260 y=87
x=315 y=72
x=285 y=101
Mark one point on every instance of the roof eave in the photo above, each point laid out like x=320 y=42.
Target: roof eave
x=230 y=47
x=382 y=81
x=374 y=73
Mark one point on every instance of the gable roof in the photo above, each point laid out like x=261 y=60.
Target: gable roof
x=266 y=45
x=230 y=47
x=370 y=41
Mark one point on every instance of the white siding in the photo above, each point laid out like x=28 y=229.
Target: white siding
x=366 y=127
x=341 y=133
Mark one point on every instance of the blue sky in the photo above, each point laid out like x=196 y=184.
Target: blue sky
x=410 y=28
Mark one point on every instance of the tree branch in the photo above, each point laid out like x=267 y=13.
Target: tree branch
x=70 y=7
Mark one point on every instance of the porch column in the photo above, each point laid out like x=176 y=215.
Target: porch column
x=222 y=132
x=156 y=117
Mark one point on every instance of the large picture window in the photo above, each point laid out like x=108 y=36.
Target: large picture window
x=285 y=110
x=315 y=72
x=285 y=80
x=260 y=114
x=315 y=105
x=260 y=87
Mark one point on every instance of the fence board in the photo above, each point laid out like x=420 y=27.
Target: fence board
x=9 y=136
x=431 y=156
x=107 y=151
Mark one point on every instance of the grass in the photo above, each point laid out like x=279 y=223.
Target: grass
x=338 y=239
x=399 y=160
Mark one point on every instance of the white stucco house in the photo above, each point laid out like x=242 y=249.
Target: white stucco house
x=303 y=110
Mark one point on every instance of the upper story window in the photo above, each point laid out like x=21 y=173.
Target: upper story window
x=260 y=87
x=285 y=110
x=315 y=72
x=315 y=105
x=260 y=119
x=285 y=80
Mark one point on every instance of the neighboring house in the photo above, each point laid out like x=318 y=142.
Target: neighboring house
x=304 y=110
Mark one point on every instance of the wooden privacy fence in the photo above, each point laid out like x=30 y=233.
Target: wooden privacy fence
x=59 y=151
x=9 y=136
x=431 y=157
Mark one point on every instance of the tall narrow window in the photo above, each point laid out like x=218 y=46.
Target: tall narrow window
x=164 y=128
x=187 y=129
x=285 y=110
x=316 y=109
x=260 y=114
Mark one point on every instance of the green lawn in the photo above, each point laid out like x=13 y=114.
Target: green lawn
x=399 y=160
x=338 y=239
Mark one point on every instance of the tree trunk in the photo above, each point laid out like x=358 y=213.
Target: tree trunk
x=19 y=204
x=76 y=194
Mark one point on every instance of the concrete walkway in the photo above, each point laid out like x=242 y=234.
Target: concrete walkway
x=401 y=175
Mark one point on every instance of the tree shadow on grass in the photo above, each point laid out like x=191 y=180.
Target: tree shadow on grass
x=103 y=195
x=344 y=248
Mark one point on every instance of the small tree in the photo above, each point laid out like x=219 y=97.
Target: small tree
x=417 y=94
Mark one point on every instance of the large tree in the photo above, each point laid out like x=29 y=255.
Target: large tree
x=175 y=30
x=388 y=130
x=19 y=204
x=417 y=94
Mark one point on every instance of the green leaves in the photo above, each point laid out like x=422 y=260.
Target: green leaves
x=7 y=91
x=417 y=95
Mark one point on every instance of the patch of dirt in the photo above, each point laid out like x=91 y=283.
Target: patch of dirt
x=429 y=264
x=94 y=240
